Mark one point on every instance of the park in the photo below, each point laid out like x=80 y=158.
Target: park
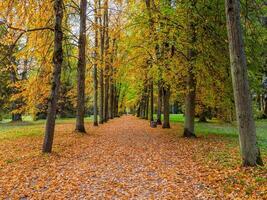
x=148 y=99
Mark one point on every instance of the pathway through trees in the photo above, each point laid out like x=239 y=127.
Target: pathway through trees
x=123 y=159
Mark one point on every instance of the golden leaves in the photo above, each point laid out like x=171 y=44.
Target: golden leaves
x=126 y=159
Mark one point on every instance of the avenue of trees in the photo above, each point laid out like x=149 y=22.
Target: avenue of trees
x=204 y=58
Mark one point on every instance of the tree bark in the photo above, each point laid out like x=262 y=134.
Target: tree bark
x=166 y=106
x=101 y=79
x=117 y=105
x=138 y=111
x=112 y=81
x=147 y=106
x=265 y=108
x=117 y=96
x=101 y=108
x=95 y=67
x=106 y=94
x=189 y=126
x=159 y=103
x=247 y=132
x=57 y=61
x=111 y=99
x=114 y=99
x=202 y=117
x=81 y=70
x=151 y=101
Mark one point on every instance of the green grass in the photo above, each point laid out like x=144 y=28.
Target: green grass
x=9 y=130
x=28 y=128
x=224 y=129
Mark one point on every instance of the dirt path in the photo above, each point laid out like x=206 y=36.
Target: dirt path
x=123 y=159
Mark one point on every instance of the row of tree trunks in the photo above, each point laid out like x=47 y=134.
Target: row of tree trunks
x=145 y=107
x=243 y=103
x=108 y=100
x=143 y=104
x=81 y=67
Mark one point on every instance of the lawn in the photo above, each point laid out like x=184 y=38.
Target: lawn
x=228 y=130
x=28 y=127
x=9 y=130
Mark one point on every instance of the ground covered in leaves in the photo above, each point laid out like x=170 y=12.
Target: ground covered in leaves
x=126 y=159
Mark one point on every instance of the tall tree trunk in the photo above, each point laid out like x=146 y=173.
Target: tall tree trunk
x=143 y=110
x=117 y=105
x=151 y=101
x=112 y=81
x=147 y=105
x=111 y=98
x=265 y=108
x=138 y=111
x=16 y=117
x=143 y=107
x=81 y=70
x=117 y=94
x=189 y=126
x=166 y=106
x=159 y=103
x=101 y=108
x=106 y=98
x=101 y=79
x=114 y=99
x=175 y=107
x=246 y=125
x=57 y=61
x=95 y=67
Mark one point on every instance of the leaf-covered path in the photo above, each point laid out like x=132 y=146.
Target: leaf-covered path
x=123 y=159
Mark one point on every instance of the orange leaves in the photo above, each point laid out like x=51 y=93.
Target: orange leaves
x=126 y=159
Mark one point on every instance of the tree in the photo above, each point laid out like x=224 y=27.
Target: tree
x=101 y=78
x=159 y=103
x=191 y=80
x=166 y=92
x=151 y=101
x=246 y=125
x=107 y=68
x=57 y=61
x=81 y=70
x=95 y=67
